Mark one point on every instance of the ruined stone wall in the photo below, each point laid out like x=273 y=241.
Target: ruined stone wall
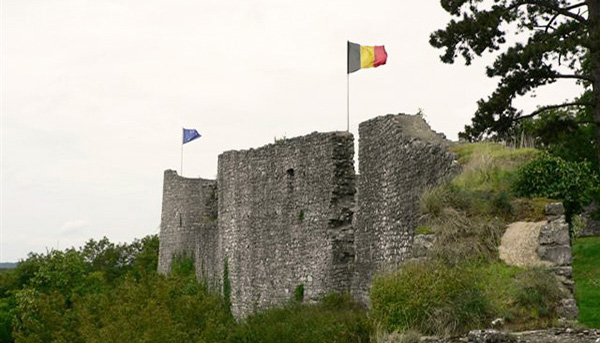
x=189 y=223
x=399 y=157
x=285 y=212
x=285 y=219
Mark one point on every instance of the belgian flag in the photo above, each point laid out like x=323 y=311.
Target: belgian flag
x=360 y=57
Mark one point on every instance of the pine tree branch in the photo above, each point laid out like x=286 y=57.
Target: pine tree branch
x=549 y=24
x=559 y=10
x=568 y=8
x=551 y=107
x=574 y=76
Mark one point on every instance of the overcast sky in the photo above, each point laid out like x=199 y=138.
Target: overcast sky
x=94 y=94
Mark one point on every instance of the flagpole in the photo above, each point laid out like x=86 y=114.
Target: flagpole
x=348 y=102
x=181 y=170
x=348 y=86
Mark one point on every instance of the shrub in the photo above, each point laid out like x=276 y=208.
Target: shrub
x=538 y=294
x=429 y=297
x=183 y=265
x=552 y=177
x=336 y=318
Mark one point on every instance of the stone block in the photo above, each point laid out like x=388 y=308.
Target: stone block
x=559 y=255
x=556 y=232
x=568 y=309
x=554 y=209
x=567 y=272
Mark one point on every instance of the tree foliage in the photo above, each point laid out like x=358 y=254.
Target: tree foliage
x=107 y=292
x=561 y=133
x=562 y=42
x=575 y=183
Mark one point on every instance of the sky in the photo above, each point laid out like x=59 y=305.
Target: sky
x=94 y=94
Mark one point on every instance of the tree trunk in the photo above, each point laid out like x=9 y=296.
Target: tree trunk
x=594 y=31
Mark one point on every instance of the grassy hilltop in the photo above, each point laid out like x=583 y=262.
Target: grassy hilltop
x=106 y=292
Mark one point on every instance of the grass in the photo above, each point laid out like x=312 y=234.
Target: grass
x=467 y=152
x=489 y=166
x=586 y=273
x=432 y=297
x=429 y=297
x=484 y=186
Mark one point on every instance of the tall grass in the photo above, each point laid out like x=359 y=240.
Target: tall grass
x=429 y=297
x=433 y=297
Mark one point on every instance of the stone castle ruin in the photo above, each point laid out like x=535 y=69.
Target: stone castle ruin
x=295 y=214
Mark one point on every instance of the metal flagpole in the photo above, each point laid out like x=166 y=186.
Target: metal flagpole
x=181 y=170
x=348 y=86
x=348 y=102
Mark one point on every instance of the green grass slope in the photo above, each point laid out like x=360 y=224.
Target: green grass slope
x=586 y=272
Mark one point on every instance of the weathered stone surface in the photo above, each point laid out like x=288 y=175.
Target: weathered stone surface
x=559 y=255
x=189 y=223
x=399 y=156
x=556 y=232
x=489 y=336
x=554 y=209
x=568 y=309
x=567 y=272
x=285 y=214
x=519 y=244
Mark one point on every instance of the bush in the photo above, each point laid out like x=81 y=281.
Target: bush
x=552 y=177
x=336 y=318
x=538 y=294
x=429 y=297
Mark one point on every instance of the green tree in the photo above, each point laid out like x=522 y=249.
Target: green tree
x=560 y=133
x=563 y=42
x=44 y=296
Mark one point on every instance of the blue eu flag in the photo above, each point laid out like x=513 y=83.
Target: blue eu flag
x=189 y=135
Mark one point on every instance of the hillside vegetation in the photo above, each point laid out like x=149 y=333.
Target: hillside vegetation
x=106 y=292
x=463 y=285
